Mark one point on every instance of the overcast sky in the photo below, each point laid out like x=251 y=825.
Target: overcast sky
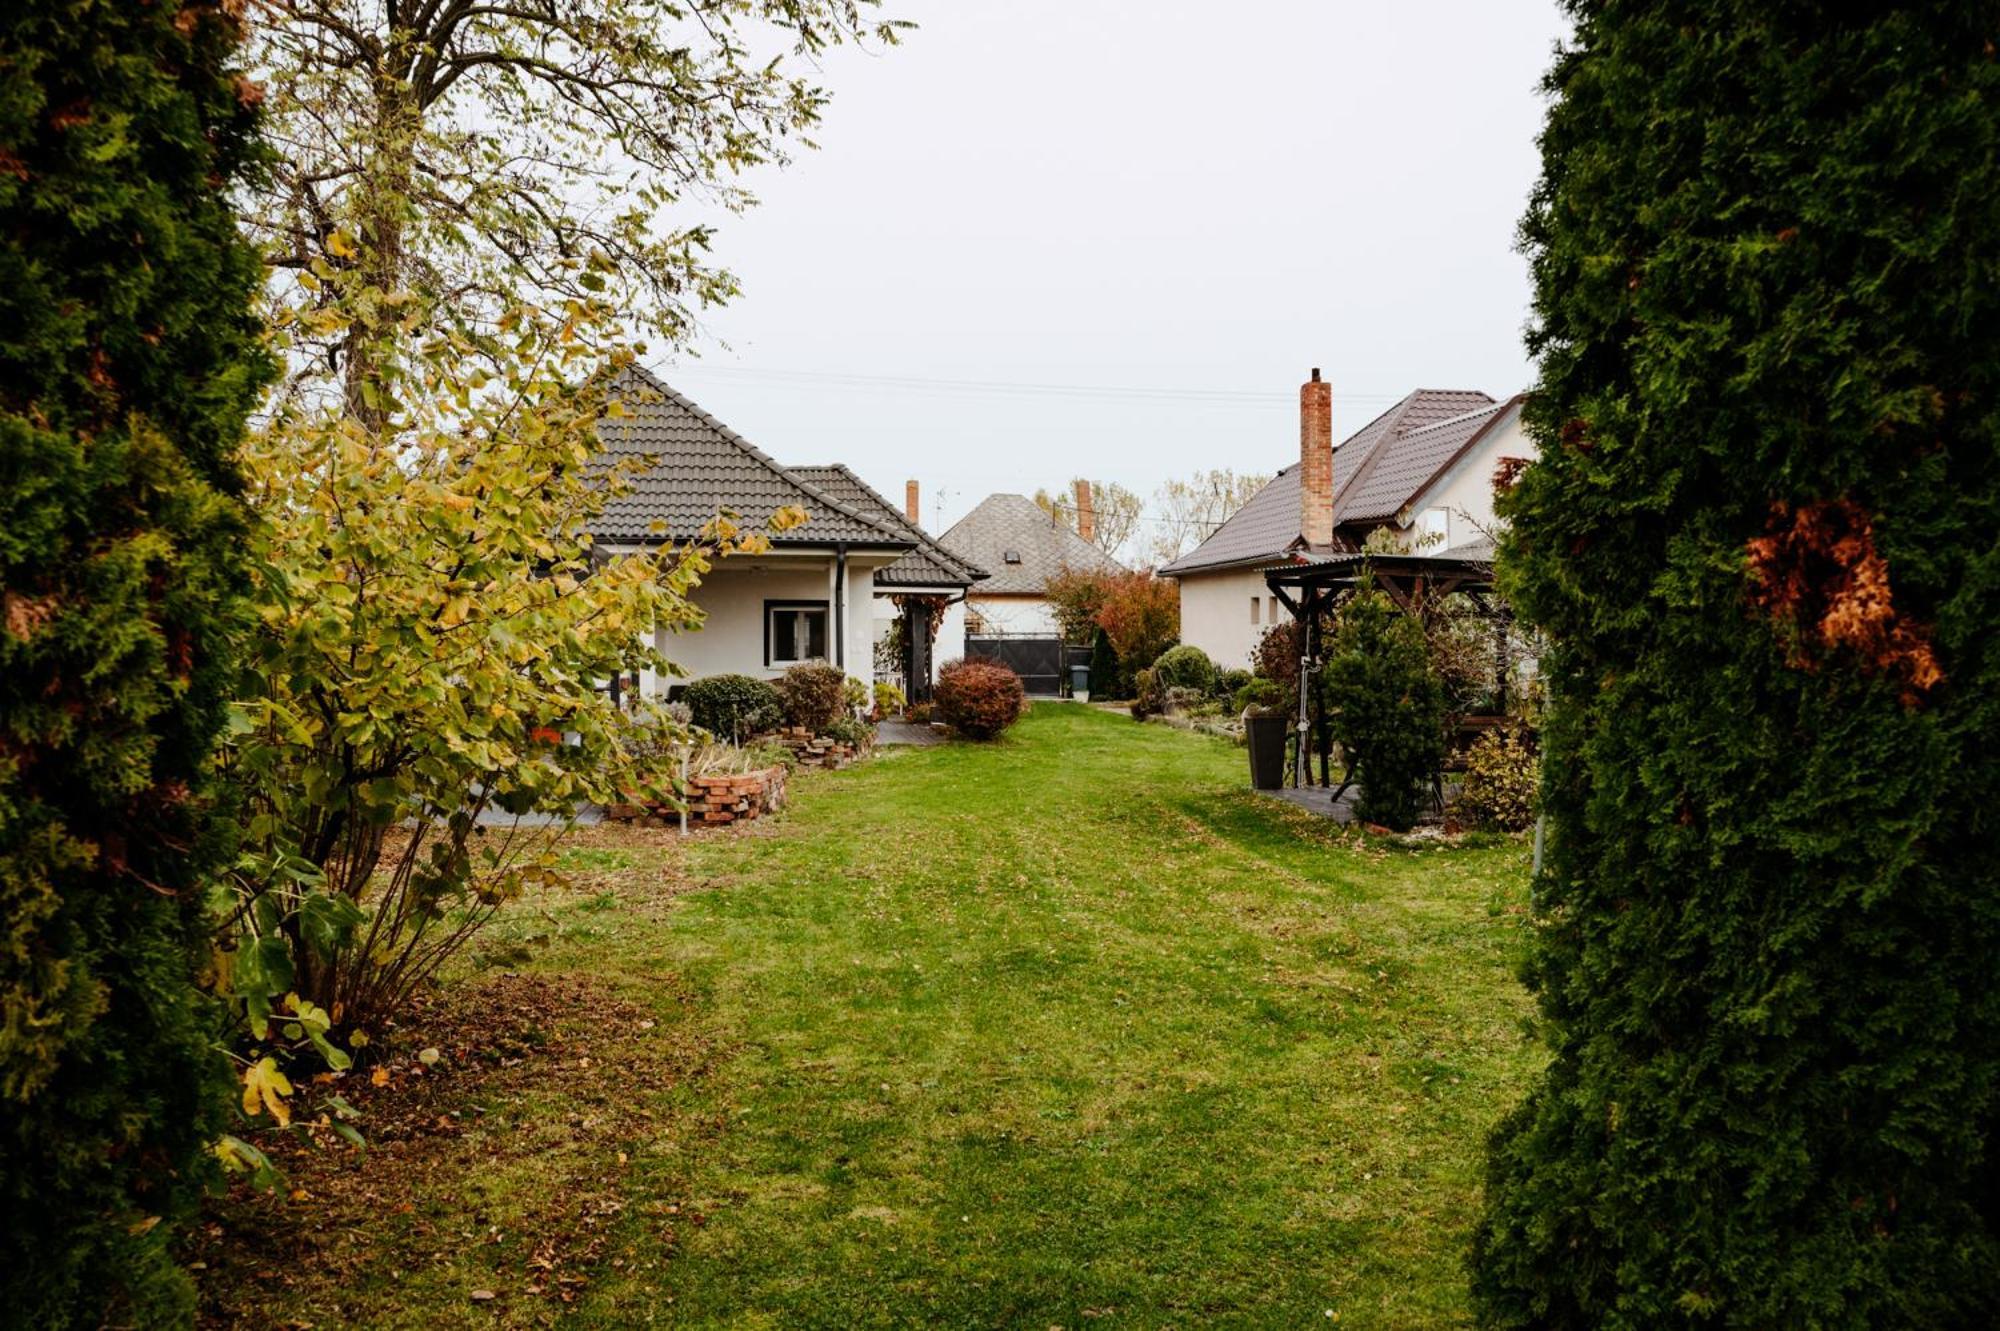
x=1051 y=237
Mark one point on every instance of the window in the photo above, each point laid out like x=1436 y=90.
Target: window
x=794 y=631
x=1274 y=609
x=1012 y=556
x=1253 y=608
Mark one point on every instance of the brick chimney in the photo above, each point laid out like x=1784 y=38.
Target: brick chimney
x=911 y=508
x=1316 y=461
x=1086 y=516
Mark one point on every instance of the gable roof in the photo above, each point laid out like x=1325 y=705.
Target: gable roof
x=702 y=466
x=1378 y=468
x=1043 y=547
x=929 y=565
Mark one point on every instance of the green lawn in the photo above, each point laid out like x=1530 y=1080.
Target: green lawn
x=1067 y=1030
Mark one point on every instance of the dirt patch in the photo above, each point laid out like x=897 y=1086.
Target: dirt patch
x=502 y=1116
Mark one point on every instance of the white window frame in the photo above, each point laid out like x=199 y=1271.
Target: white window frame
x=772 y=609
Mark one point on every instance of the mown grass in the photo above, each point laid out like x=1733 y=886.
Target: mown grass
x=1067 y=1030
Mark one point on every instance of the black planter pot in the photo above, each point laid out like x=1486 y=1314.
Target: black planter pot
x=1266 y=735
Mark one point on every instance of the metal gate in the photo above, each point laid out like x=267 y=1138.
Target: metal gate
x=1038 y=661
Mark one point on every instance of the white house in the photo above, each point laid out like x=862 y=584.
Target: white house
x=1021 y=547
x=812 y=595
x=1422 y=471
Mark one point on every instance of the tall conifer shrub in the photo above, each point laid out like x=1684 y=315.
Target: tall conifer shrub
x=1764 y=535
x=128 y=360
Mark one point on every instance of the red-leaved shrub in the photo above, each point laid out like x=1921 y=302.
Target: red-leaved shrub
x=979 y=699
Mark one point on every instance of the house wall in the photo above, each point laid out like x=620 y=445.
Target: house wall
x=731 y=640
x=1013 y=616
x=1215 y=613
x=1465 y=493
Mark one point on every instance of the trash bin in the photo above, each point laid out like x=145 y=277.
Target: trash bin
x=1079 y=681
x=1266 y=732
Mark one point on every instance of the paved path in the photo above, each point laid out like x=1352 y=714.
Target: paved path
x=902 y=732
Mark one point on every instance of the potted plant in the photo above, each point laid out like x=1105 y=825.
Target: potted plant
x=1264 y=730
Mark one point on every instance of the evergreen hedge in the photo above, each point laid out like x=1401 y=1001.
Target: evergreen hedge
x=128 y=362
x=1106 y=673
x=1762 y=535
x=1386 y=707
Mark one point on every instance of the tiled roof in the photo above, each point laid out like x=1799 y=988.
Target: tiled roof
x=1387 y=461
x=702 y=466
x=1399 y=469
x=1043 y=547
x=1266 y=525
x=929 y=565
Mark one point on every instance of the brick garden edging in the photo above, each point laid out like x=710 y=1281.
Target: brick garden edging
x=713 y=801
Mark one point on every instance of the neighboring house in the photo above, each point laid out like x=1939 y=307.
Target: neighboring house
x=1021 y=547
x=1422 y=471
x=925 y=589
x=811 y=596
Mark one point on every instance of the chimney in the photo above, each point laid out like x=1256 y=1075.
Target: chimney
x=1086 y=516
x=911 y=508
x=1316 y=461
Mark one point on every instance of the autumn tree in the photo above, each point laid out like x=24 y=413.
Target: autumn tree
x=1115 y=512
x=129 y=359
x=470 y=154
x=1141 y=614
x=1760 y=536
x=1187 y=512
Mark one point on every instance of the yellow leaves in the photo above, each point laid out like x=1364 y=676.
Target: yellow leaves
x=789 y=518
x=455 y=611
x=265 y=1087
x=341 y=245
x=457 y=502
x=379 y=1077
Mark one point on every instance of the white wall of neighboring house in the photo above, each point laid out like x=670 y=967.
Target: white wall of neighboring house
x=1224 y=613
x=1014 y=616
x=950 y=642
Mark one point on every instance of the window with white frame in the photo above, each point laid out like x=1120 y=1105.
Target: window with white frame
x=794 y=631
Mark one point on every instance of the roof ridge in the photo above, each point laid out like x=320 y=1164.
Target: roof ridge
x=1495 y=412
x=1485 y=408
x=925 y=539
x=1392 y=432
x=765 y=459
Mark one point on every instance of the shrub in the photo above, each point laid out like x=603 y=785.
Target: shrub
x=128 y=362
x=1501 y=772
x=1076 y=597
x=1759 y=535
x=889 y=700
x=856 y=697
x=1386 y=707
x=1185 y=667
x=1149 y=696
x=1106 y=674
x=734 y=706
x=979 y=699
x=1230 y=682
x=920 y=713
x=1260 y=694
x=847 y=730
x=1142 y=614
x=1275 y=659
x=813 y=695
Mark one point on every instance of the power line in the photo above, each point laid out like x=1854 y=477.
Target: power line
x=1000 y=387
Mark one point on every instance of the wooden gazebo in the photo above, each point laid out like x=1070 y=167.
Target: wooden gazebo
x=1313 y=588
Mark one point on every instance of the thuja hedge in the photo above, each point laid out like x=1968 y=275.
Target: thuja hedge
x=128 y=361
x=1762 y=535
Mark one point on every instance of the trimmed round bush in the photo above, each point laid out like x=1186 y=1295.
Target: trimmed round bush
x=979 y=699
x=734 y=705
x=1185 y=667
x=1229 y=682
x=1259 y=693
x=814 y=694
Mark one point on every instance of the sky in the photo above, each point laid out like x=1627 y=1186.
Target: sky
x=1049 y=238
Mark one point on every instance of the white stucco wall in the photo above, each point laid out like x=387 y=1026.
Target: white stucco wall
x=1015 y=616
x=731 y=639
x=1465 y=493
x=1215 y=614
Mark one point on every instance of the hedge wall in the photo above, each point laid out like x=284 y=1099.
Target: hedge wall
x=128 y=362
x=1765 y=537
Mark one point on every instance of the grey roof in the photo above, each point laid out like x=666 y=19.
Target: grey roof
x=929 y=565
x=702 y=467
x=1400 y=467
x=1388 y=461
x=1005 y=523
